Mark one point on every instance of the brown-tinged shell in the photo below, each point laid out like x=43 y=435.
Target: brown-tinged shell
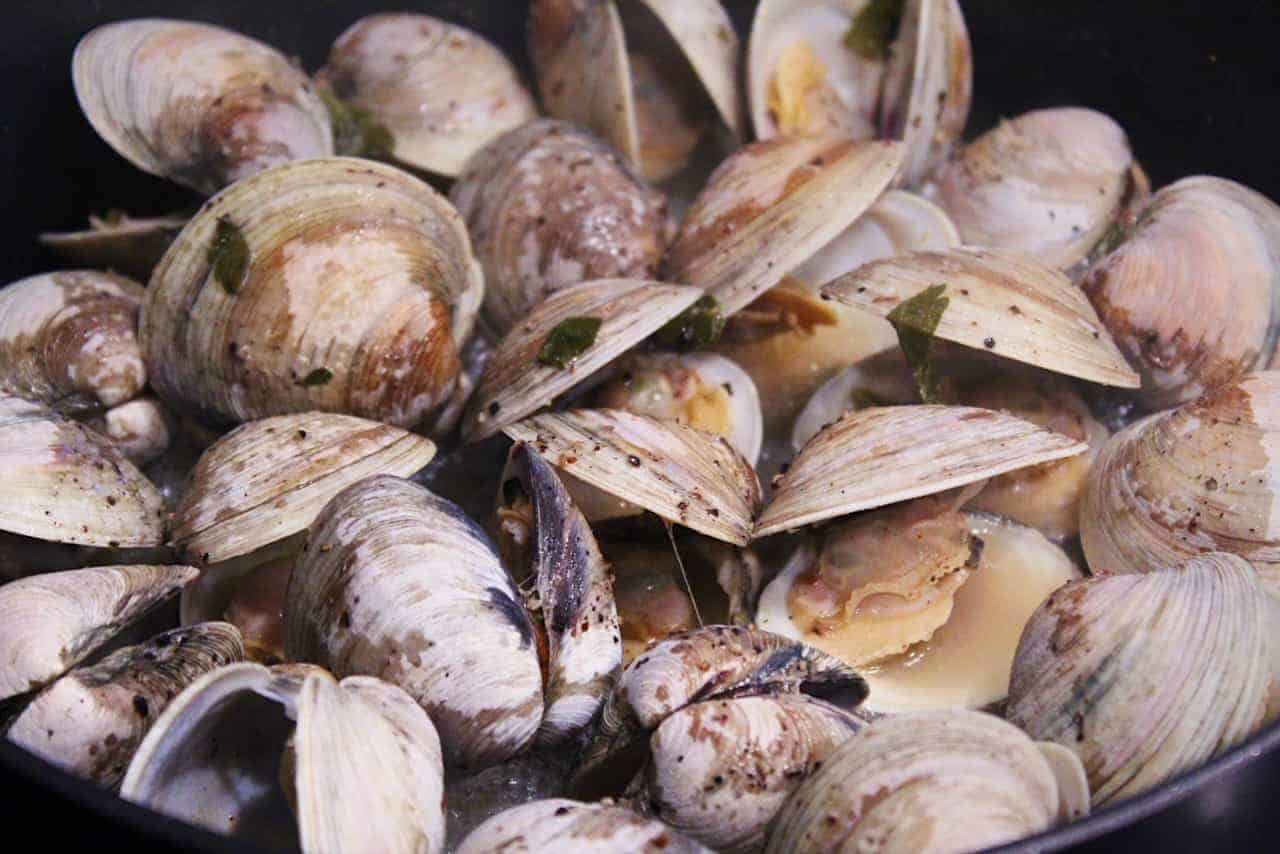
x=572 y=827
x=130 y=245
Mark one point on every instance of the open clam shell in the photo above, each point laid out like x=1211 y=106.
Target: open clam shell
x=268 y=479
x=440 y=90
x=1144 y=676
x=91 y=720
x=53 y=622
x=196 y=103
x=69 y=340
x=131 y=245
x=515 y=384
x=998 y=301
x=333 y=284
x=143 y=429
x=572 y=827
x=882 y=455
x=678 y=473
x=770 y=207
x=63 y=482
x=928 y=781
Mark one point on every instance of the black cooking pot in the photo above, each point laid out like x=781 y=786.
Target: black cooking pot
x=1191 y=81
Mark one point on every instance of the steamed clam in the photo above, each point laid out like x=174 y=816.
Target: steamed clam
x=575 y=828
x=117 y=241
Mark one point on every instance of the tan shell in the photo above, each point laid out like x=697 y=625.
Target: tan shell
x=359 y=292
x=1199 y=479
x=770 y=207
x=65 y=483
x=924 y=782
x=91 y=720
x=196 y=103
x=572 y=827
x=441 y=90
x=1146 y=676
x=1190 y=294
x=515 y=384
x=678 y=473
x=50 y=623
x=69 y=340
x=549 y=206
x=1001 y=302
x=127 y=244
x=268 y=479
x=882 y=455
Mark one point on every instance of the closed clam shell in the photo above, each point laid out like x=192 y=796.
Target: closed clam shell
x=515 y=384
x=50 y=623
x=1146 y=676
x=573 y=827
x=1189 y=294
x=549 y=206
x=131 y=245
x=268 y=479
x=400 y=584
x=196 y=103
x=881 y=455
x=998 y=301
x=770 y=207
x=65 y=483
x=1193 y=480
x=720 y=770
x=1049 y=183
x=333 y=284
x=923 y=782
x=69 y=339
x=440 y=90
x=678 y=473
x=91 y=720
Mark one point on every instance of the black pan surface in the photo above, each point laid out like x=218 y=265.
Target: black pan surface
x=1192 y=81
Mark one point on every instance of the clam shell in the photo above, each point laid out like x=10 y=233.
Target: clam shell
x=400 y=584
x=358 y=293
x=1199 y=479
x=441 y=90
x=515 y=384
x=64 y=482
x=142 y=429
x=770 y=207
x=53 y=622
x=678 y=473
x=268 y=479
x=91 y=720
x=69 y=340
x=882 y=455
x=131 y=245
x=1145 y=676
x=705 y=34
x=923 y=782
x=1001 y=302
x=572 y=827
x=196 y=103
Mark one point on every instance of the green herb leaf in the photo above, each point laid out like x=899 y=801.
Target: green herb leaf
x=229 y=255
x=569 y=340
x=355 y=131
x=874 y=28
x=699 y=325
x=320 y=376
x=915 y=320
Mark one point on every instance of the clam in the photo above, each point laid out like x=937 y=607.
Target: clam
x=69 y=340
x=1050 y=183
x=142 y=429
x=930 y=782
x=1145 y=676
x=65 y=483
x=196 y=103
x=53 y=622
x=91 y=720
x=540 y=359
x=549 y=206
x=333 y=284
x=1189 y=293
x=358 y=760
x=648 y=77
x=1188 y=481
x=117 y=241
x=573 y=827
x=862 y=69
x=439 y=91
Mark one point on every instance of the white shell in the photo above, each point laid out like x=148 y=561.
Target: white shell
x=571 y=827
